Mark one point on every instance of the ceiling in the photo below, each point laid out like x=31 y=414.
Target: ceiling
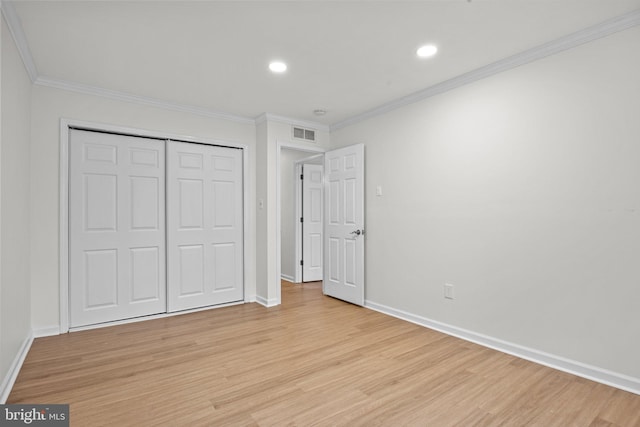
x=343 y=57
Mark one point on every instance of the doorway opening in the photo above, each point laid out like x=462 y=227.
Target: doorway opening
x=299 y=151
x=301 y=212
x=343 y=259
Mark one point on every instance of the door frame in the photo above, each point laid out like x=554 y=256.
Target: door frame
x=63 y=187
x=298 y=205
x=280 y=144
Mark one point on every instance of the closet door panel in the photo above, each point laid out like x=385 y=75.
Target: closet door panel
x=116 y=227
x=204 y=225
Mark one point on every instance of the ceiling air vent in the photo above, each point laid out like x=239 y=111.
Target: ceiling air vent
x=304 y=134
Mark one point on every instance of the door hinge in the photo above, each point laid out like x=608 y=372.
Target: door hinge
x=301 y=176
x=301 y=219
x=301 y=262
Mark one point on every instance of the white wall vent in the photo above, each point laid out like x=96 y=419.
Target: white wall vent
x=304 y=134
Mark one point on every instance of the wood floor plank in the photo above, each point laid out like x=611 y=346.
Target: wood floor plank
x=313 y=360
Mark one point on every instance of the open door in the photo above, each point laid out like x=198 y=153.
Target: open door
x=312 y=223
x=344 y=224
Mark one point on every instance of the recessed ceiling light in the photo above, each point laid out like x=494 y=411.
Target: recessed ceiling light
x=426 y=51
x=319 y=112
x=278 y=67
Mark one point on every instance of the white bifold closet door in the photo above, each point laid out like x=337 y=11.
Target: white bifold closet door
x=204 y=225
x=116 y=226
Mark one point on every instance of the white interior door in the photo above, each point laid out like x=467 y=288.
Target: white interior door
x=344 y=224
x=204 y=225
x=117 y=228
x=312 y=226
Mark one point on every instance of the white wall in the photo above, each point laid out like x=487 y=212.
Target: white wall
x=262 y=220
x=15 y=309
x=288 y=158
x=48 y=107
x=3 y=369
x=521 y=190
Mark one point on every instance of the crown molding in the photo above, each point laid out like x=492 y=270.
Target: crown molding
x=15 y=28
x=578 y=38
x=136 y=99
x=17 y=32
x=561 y=44
x=264 y=117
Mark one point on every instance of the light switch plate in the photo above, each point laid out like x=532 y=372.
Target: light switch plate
x=448 y=291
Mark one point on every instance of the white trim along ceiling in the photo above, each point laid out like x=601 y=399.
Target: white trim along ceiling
x=603 y=29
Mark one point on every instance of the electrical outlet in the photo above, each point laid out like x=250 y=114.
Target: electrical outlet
x=448 y=291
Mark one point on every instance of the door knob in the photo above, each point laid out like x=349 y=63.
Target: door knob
x=357 y=232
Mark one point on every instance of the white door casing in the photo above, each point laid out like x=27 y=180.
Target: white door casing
x=344 y=224
x=312 y=224
x=116 y=226
x=204 y=225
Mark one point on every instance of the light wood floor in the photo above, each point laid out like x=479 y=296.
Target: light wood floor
x=311 y=361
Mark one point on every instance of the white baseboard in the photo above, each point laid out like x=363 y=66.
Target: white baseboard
x=594 y=373
x=266 y=302
x=46 y=332
x=14 y=369
x=287 y=278
x=153 y=317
